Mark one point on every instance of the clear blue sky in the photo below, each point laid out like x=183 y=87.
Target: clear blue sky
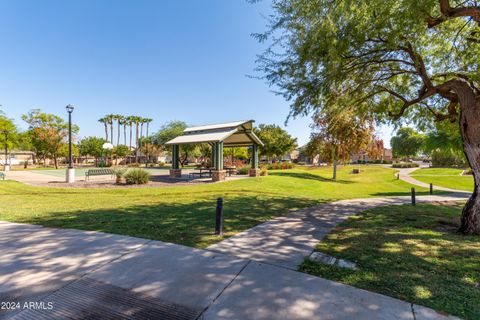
x=167 y=60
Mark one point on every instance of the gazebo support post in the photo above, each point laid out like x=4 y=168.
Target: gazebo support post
x=218 y=174
x=254 y=171
x=175 y=171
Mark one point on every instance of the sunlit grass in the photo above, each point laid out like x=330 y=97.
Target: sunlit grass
x=444 y=177
x=411 y=253
x=185 y=214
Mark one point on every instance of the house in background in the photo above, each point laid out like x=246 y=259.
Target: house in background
x=18 y=157
x=377 y=152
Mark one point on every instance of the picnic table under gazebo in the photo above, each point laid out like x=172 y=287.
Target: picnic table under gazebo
x=218 y=136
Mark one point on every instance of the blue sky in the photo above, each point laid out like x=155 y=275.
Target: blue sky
x=167 y=60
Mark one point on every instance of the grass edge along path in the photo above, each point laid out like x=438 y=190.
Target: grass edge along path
x=409 y=253
x=444 y=177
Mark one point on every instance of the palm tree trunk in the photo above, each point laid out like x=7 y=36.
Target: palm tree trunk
x=130 y=148
x=106 y=131
x=136 y=142
x=118 y=131
x=125 y=134
x=111 y=132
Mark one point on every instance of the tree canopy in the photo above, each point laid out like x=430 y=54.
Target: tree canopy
x=47 y=133
x=392 y=58
x=407 y=143
x=277 y=142
x=398 y=60
x=171 y=130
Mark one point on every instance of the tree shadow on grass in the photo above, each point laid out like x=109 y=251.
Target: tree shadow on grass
x=190 y=224
x=308 y=176
x=404 y=252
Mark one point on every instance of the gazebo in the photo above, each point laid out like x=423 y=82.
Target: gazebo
x=232 y=134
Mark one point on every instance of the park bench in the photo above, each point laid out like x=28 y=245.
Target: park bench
x=99 y=172
x=2 y=175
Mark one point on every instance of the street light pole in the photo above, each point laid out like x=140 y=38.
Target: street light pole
x=70 y=169
x=6 y=167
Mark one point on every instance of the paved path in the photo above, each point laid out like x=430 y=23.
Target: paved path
x=286 y=241
x=73 y=274
x=405 y=176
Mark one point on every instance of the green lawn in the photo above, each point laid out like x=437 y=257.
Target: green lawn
x=444 y=177
x=410 y=253
x=185 y=214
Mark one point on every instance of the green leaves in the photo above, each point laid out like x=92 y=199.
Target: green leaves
x=407 y=143
x=277 y=142
x=379 y=56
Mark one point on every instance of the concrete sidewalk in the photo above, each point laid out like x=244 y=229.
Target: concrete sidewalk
x=72 y=274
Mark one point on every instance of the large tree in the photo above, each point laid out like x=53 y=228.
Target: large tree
x=171 y=130
x=407 y=59
x=337 y=134
x=47 y=132
x=91 y=146
x=9 y=137
x=277 y=142
x=407 y=143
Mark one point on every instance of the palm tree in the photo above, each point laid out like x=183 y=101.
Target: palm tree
x=136 y=120
x=147 y=121
x=105 y=123
x=142 y=122
x=110 y=118
x=119 y=119
x=124 y=124
x=129 y=120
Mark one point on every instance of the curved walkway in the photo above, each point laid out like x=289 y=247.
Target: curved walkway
x=405 y=176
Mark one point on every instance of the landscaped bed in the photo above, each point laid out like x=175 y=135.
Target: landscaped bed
x=444 y=177
x=410 y=253
x=186 y=214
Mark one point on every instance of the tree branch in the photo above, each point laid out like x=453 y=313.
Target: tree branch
x=447 y=13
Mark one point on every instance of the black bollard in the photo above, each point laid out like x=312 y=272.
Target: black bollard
x=218 y=217
x=431 y=188
x=413 y=197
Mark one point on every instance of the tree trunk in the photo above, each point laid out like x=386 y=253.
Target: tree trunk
x=125 y=134
x=136 y=142
x=118 y=132
x=55 y=161
x=111 y=132
x=334 y=163
x=470 y=132
x=106 y=131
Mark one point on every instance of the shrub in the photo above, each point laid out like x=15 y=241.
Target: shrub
x=161 y=164
x=263 y=171
x=404 y=165
x=243 y=170
x=280 y=166
x=445 y=158
x=133 y=165
x=119 y=173
x=136 y=176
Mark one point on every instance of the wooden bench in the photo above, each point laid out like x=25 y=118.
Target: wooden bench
x=2 y=175
x=99 y=172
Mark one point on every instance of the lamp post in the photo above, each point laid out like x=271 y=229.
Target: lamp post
x=70 y=169
x=6 y=166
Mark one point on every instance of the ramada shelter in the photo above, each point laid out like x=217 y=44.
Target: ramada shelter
x=219 y=136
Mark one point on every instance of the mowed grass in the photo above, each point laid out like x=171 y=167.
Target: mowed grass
x=444 y=177
x=410 y=253
x=186 y=214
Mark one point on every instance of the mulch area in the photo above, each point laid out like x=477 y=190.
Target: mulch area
x=155 y=182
